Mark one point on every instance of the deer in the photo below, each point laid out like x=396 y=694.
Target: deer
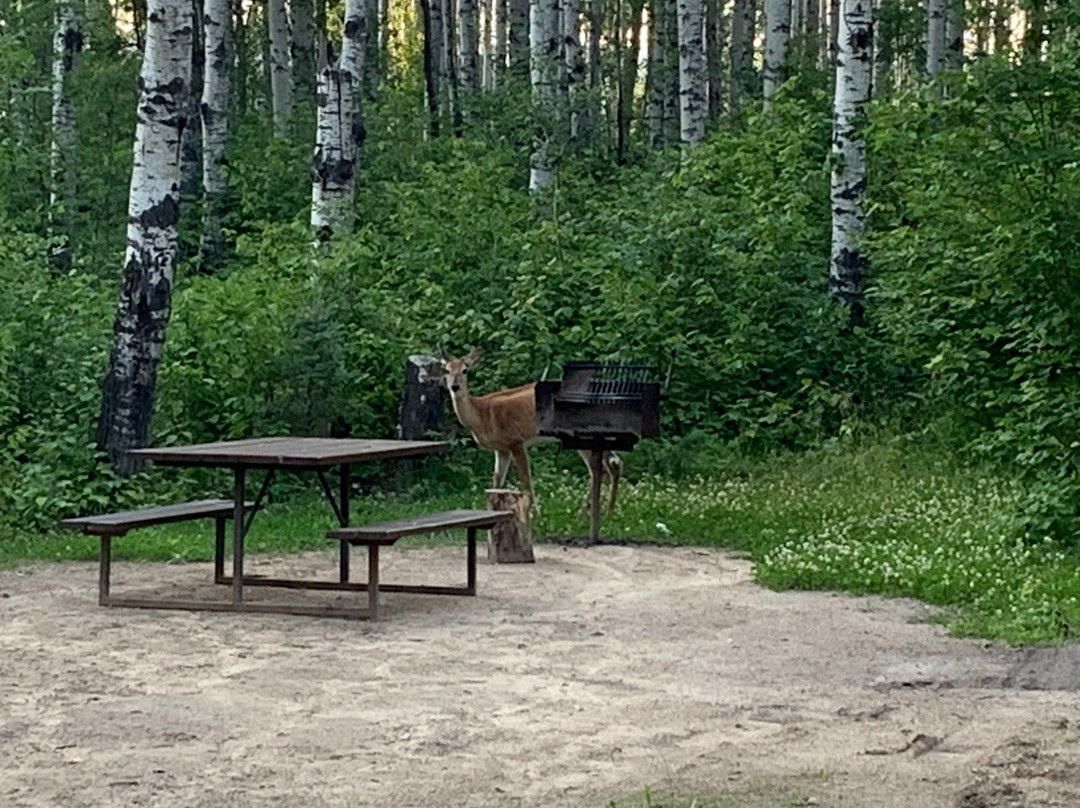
x=505 y=423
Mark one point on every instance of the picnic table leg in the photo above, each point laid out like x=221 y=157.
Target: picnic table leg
x=103 y=572
x=470 y=562
x=343 y=517
x=219 y=550
x=238 y=536
x=373 y=579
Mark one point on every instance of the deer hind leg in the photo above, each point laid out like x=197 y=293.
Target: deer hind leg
x=502 y=466
x=613 y=468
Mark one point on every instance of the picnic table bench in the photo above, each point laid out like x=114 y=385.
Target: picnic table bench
x=385 y=534
x=107 y=526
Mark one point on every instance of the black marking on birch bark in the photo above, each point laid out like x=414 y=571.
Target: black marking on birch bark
x=163 y=214
x=853 y=191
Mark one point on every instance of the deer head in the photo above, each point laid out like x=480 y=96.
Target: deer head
x=454 y=371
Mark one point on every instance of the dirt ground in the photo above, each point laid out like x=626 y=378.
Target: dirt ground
x=579 y=680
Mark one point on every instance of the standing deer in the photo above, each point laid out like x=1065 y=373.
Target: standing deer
x=505 y=423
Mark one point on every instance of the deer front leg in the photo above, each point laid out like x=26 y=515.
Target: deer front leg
x=502 y=466
x=521 y=463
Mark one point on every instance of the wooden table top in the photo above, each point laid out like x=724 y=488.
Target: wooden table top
x=284 y=452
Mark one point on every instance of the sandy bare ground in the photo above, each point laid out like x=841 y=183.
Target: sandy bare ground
x=571 y=682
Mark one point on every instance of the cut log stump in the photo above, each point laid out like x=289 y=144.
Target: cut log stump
x=511 y=541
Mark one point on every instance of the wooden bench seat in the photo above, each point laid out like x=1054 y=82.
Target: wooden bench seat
x=384 y=534
x=106 y=526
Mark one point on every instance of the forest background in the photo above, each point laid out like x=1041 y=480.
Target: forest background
x=914 y=434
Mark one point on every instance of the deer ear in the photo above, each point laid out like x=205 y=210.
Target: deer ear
x=473 y=356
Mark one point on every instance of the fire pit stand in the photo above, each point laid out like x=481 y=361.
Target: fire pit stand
x=599 y=407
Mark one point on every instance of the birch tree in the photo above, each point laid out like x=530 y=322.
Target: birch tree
x=545 y=69
x=281 y=90
x=215 y=126
x=693 y=104
x=936 y=56
x=777 y=36
x=847 y=264
x=339 y=128
x=153 y=209
x=741 y=52
x=662 y=76
x=67 y=43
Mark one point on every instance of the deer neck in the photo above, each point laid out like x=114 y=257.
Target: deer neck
x=464 y=408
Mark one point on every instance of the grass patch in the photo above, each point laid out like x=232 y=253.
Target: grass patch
x=887 y=518
x=747 y=795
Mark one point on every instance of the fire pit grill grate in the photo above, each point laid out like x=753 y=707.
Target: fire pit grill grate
x=605 y=382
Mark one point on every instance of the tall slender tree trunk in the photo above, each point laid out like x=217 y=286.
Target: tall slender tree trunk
x=215 y=127
x=191 y=142
x=450 y=62
x=935 y=37
x=847 y=266
x=574 y=65
x=715 y=36
x=812 y=31
x=692 y=100
x=954 y=34
x=545 y=71
x=432 y=48
x=340 y=128
x=501 y=19
x=518 y=37
x=67 y=43
x=741 y=53
x=302 y=23
x=153 y=209
x=469 y=46
x=280 y=73
x=1002 y=31
x=777 y=36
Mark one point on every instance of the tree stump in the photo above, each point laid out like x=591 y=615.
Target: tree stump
x=510 y=542
x=422 y=399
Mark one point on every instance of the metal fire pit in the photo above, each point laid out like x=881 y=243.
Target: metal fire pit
x=599 y=407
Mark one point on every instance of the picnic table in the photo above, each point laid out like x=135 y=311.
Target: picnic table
x=270 y=455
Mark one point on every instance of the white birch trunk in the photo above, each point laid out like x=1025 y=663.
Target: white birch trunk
x=215 y=125
x=339 y=129
x=545 y=70
x=280 y=72
x=153 y=209
x=67 y=43
x=693 y=103
x=469 y=46
x=847 y=264
x=777 y=36
x=741 y=52
x=935 y=37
